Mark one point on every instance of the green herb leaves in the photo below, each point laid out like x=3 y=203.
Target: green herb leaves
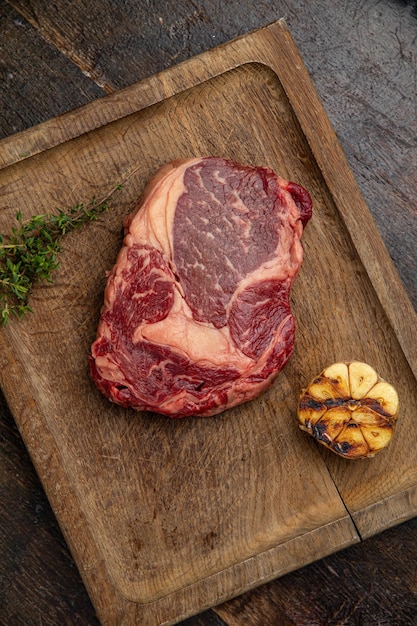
x=29 y=254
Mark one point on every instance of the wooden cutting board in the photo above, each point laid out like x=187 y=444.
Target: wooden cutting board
x=166 y=518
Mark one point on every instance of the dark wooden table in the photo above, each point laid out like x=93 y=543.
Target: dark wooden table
x=362 y=56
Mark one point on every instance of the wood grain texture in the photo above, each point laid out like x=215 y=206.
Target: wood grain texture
x=61 y=85
x=32 y=547
x=373 y=43
x=346 y=588
x=363 y=65
x=237 y=540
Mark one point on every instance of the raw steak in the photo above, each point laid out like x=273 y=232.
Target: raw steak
x=196 y=315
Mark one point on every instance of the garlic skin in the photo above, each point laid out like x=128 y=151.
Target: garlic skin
x=349 y=409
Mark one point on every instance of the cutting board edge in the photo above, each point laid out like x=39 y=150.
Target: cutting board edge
x=345 y=191
x=394 y=510
x=314 y=123
x=343 y=523
x=135 y=97
x=25 y=408
x=217 y=587
x=355 y=516
x=252 y=572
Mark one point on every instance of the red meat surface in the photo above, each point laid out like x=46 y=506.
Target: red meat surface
x=196 y=316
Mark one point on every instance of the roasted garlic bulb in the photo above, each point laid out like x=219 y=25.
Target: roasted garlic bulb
x=349 y=409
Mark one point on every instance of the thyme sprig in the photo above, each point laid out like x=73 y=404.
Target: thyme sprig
x=29 y=254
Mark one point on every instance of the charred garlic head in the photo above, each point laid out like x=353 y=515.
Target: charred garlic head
x=349 y=409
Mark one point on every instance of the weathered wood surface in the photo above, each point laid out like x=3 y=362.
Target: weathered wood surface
x=362 y=60
x=121 y=485
x=366 y=82
x=60 y=85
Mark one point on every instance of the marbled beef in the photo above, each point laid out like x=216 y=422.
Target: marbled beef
x=196 y=315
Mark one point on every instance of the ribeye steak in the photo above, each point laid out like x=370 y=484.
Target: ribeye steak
x=196 y=316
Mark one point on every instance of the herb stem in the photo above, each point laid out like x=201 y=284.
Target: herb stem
x=28 y=255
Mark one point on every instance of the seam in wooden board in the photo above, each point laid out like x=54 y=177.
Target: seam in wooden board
x=99 y=562
x=18 y=368
x=153 y=92
x=208 y=78
x=15 y=369
x=385 y=504
x=286 y=40
x=276 y=28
